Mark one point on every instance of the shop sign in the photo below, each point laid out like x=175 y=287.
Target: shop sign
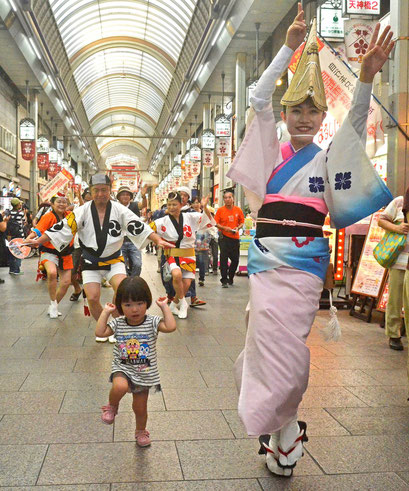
x=177 y=171
x=208 y=140
x=53 y=155
x=369 y=7
x=195 y=169
x=330 y=21
x=222 y=147
x=28 y=149
x=187 y=160
x=208 y=158
x=222 y=125
x=43 y=145
x=195 y=153
x=42 y=161
x=190 y=142
x=358 y=34
x=27 y=129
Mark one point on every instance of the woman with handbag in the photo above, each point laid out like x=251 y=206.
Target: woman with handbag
x=392 y=220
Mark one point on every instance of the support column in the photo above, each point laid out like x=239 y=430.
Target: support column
x=205 y=187
x=398 y=146
x=240 y=101
x=33 y=163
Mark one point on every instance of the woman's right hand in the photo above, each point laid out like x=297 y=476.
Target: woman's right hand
x=297 y=31
x=402 y=228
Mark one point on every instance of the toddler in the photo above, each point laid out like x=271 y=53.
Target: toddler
x=134 y=367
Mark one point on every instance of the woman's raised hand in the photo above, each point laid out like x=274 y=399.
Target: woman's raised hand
x=297 y=31
x=377 y=53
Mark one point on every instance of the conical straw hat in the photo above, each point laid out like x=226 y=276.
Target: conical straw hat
x=307 y=79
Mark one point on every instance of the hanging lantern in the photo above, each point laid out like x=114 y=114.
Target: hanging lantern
x=222 y=147
x=183 y=163
x=222 y=125
x=28 y=149
x=208 y=140
x=195 y=153
x=42 y=161
x=208 y=158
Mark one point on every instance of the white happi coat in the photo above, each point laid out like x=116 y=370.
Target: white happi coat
x=101 y=242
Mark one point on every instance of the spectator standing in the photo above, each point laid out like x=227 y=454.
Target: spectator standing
x=202 y=246
x=230 y=220
x=15 y=229
x=392 y=220
x=3 y=248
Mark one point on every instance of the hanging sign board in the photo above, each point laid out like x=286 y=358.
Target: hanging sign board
x=222 y=125
x=208 y=140
x=208 y=158
x=27 y=129
x=370 y=275
x=195 y=153
x=358 y=34
x=28 y=149
x=222 y=147
x=368 y=7
x=43 y=145
x=330 y=21
x=190 y=142
x=42 y=161
x=57 y=184
x=53 y=155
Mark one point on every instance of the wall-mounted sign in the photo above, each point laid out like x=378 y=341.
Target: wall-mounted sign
x=27 y=129
x=223 y=147
x=42 y=161
x=53 y=155
x=208 y=140
x=369 y=7
x=195 y=153
x=358 y=34
x=43 y=145
x=28 y=149
x=222 y=126
x=330 y=21
x=208 y=158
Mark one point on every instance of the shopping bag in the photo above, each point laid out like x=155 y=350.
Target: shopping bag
x=388 y=249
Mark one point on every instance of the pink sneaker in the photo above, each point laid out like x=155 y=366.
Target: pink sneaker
x=142 y=438
x=108 y=413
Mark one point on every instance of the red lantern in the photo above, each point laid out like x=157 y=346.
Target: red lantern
x=28 y=149
x=42 y=161
x=52 y=169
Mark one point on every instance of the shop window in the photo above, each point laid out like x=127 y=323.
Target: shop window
x=7 y=141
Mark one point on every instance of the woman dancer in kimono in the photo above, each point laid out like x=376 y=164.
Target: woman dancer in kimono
x=290 y=190
x=180 y=229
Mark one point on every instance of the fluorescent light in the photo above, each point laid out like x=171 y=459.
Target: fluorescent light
x=13 y=5
x=176 y=117
x=63 y=105
x=186 y=98
x=35 y=49
x=199 y=71
x=52 y=83
x=215 y=39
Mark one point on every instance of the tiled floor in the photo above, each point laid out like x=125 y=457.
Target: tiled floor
x=54 y=378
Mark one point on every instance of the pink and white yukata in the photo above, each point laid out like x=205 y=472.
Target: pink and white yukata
x=287 y=261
